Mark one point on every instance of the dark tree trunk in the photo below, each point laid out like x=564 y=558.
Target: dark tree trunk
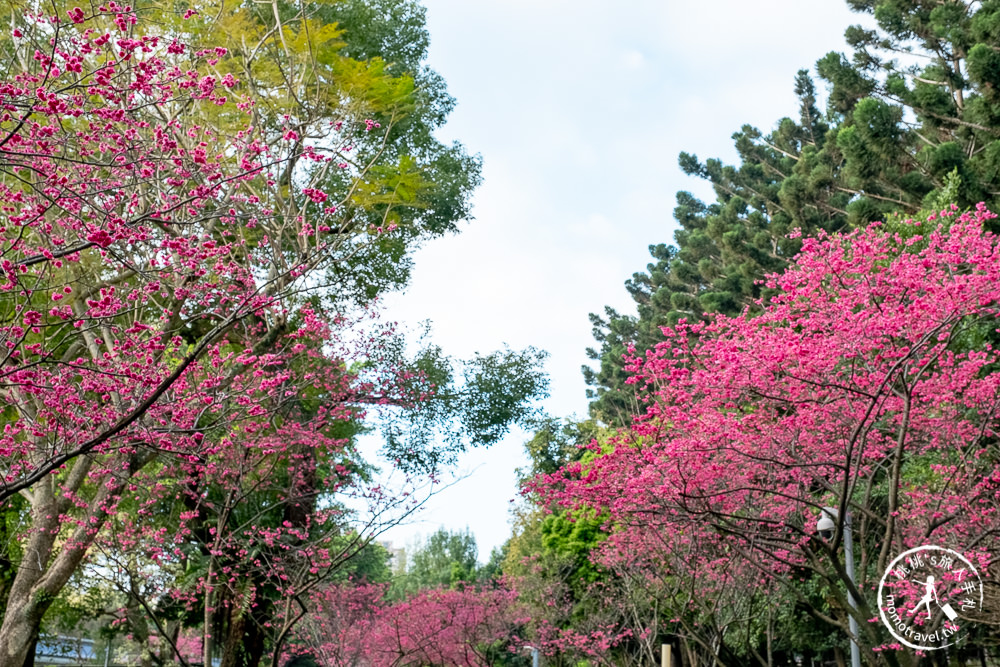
x=243 y=645
x=30 y=660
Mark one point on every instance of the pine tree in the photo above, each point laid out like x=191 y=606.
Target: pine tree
x=915 y=104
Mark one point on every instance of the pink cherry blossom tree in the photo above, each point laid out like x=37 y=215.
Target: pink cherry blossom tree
x=154 y=273
x=356 y=624
x=868 y=384
x=181 y=388
x=251 y=519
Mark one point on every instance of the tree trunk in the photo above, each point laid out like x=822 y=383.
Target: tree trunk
x=243 y=645
x=19 y=635
x=232 y=645
x=30 y=660
x=26 y=604
x=44 y=570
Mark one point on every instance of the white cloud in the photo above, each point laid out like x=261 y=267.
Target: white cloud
x=595 y=227
x=633 y=59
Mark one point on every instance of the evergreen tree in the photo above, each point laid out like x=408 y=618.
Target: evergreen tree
x=916 y=103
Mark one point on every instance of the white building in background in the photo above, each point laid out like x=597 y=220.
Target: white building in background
x=397 y=556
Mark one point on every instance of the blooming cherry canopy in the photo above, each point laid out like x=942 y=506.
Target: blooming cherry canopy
x=355 y=624
x=153 y=281
x=868 y=384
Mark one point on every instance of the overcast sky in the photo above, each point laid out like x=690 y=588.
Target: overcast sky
x=579 y=110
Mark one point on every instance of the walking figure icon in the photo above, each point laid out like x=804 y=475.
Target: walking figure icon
x=930 y=593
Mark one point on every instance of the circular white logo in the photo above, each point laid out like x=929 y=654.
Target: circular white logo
x=926 y=595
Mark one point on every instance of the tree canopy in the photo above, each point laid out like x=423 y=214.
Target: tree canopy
x=910 y=121
x=201 y=205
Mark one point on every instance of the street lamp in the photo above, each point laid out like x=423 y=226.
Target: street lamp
x=827 y=527
x=534 y=655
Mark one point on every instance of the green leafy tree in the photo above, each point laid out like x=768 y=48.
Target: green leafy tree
x=445 y=560
x=555 y=443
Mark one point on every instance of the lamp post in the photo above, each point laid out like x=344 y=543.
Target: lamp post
x=534 y=655
x=826 y=527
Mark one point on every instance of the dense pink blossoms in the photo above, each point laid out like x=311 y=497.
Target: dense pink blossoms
x=869 y=384
x=157 y=339
x=355 y=625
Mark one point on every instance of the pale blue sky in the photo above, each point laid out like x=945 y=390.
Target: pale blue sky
x=579 y=110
